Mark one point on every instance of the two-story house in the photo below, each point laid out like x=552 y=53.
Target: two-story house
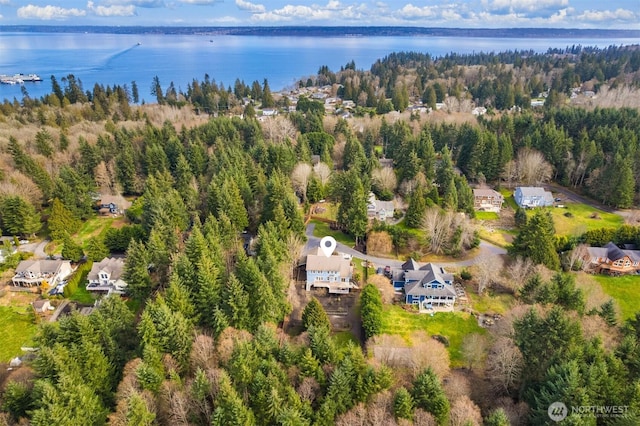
x=487 y=200
x=613 y=260
x=377 y=209
x=32 y=273
x=332 y=272
x=532 y=196
x=106 y=276
x=427 y=286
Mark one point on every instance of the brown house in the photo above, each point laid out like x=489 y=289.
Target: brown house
x=487 y=200
x=613 y=260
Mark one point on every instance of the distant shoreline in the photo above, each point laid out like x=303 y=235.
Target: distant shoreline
x=342 y=31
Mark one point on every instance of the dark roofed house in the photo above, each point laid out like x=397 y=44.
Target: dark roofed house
x=613 y=260
x=426 y=286
x=113 y=204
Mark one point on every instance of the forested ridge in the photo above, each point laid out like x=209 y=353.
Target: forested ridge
x=202 y=338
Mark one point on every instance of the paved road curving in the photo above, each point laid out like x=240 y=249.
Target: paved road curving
x=314 y=242
x=37 y=248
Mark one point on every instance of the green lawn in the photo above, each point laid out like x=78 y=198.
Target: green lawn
x=582 y=218
x=17 y=329
x=624 y=290
x=82 y=295
x=487 y=216
x=508 y=197
x=499 y=237
x=453 y=325
x=92 y=227
x=322 y=230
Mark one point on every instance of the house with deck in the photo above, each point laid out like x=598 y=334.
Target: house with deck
x=532 y=196
x=32 y=273
x=105 y=276
x=427 y=286
x=612 y=260
x=487 y=200
x=331 y=272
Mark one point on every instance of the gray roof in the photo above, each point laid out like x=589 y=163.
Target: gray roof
x=111 y=265
x=535 y=191
x=40 y=266
x=486 y=192
x=427 y=274
x=320 y=262
x=613 y=252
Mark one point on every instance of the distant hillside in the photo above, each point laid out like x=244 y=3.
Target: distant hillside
x=338 y=31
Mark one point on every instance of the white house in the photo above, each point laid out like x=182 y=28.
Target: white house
x=530 y=196
x=105 y=276
x=32 y=273
x=332 y=272
x=381 y=210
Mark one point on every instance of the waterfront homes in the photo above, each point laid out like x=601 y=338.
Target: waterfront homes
x=32 y=273
x=612 y=260
x=106 y=276
x=330 y=272
x=532 y=196
x=427 y=286
x=488 y=200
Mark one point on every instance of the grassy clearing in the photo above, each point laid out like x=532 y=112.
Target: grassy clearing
x=17 y=328
x=325 y=210
x=624 y=290
x=491 y=303
x=322 y=229
x=92 y=227
x=453 y=325
x=487 y=216
x=343 y=338
x=582 y=218
x=496 y=236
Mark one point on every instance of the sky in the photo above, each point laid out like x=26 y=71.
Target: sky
x=610 y=14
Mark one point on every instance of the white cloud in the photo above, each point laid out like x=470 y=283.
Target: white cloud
x=201 y=2
x=114 y=10
x=250 y=7
x=412 y=12
x=47 y=13
x=524 y=5
x=608 y=15
x=138 y=3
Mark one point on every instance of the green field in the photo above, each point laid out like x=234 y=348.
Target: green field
x=453 y=325
x=624 y=290
x=491 y=303
x=322 y=229
x=487 y=216
x=17 y=329
x=582 y=218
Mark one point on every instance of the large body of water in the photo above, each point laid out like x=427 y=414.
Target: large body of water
x=110 y=59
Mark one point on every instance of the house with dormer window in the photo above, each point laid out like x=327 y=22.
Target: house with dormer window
x=105 y=276
x=331 y=272
x=426 y=286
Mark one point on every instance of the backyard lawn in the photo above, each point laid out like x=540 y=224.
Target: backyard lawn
x=576 y=219
x=17 y=328
x=452 y=325
x=624 y=290
x=322 y=229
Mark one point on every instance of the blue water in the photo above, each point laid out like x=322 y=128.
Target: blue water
x=110 y=59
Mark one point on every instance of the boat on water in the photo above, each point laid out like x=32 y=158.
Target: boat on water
x=19 y=78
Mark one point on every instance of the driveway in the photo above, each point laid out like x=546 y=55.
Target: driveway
x=314 y=242
x=37 y=248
